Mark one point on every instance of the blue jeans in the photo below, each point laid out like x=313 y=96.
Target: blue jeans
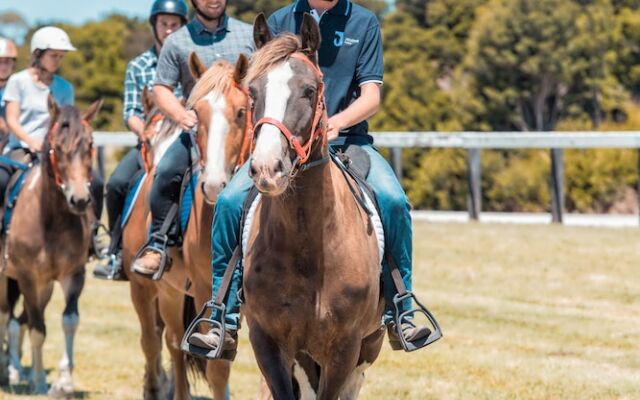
x=396 y=220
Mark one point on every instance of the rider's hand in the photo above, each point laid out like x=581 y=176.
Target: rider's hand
x=34 y=144
x=334 y=125
x=188 y=120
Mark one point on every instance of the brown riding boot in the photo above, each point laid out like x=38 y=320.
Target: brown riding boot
x=211 y=341
x=410 y=332
x=148 y=263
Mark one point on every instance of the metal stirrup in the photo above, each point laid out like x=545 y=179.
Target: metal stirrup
x=403 y=295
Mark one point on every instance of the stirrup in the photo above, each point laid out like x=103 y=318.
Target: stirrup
x=436 y=333
x=157 y=243
x=216 y=353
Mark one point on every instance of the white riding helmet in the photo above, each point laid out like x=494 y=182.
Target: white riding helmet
x=51 y=38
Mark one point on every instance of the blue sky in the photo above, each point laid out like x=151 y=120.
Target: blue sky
x=74 y=11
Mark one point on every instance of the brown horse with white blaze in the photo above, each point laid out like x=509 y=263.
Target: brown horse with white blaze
x=50 y=236
x=312 y=268
x=220 y=104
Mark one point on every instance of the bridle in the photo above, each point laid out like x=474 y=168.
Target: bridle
x=318 y=125
x=53 y=158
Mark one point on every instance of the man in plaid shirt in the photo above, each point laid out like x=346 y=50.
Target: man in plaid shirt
x=166 y=17
x=212 y=35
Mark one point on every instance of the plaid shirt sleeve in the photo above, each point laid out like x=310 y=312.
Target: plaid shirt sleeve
x=132 y=95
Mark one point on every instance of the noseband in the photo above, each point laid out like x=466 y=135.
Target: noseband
x=303 y=151
x=53 y=158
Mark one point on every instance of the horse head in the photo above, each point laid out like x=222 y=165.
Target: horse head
x=68 y=151
x=220 y=103
x=287 y=91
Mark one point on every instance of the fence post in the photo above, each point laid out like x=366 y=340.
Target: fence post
x=557 y=185
x=100 y=161
x=638 y=184
x=396 y=161
x=474 y=197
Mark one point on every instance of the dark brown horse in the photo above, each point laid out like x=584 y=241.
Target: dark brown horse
x=50 y=236
x=220 y=103
x=312 y=268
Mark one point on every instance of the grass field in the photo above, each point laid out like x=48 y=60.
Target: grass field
x=528 y=312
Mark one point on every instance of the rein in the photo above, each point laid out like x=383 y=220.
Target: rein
x=303 y=151
x=53 y=158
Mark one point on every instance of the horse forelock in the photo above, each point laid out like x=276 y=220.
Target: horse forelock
x=71 y=135
x=217 y=78
x=271 y=54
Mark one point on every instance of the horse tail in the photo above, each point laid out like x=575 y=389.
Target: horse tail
x=195 y=366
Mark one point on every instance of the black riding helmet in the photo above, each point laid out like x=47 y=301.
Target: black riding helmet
x=173 y=7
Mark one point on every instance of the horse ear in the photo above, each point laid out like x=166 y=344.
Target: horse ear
x=196 y=66
x=310 y=34
x=54 y=110
x=90 y=113
x=147 y=100
x=242 y=65
x=261 y=31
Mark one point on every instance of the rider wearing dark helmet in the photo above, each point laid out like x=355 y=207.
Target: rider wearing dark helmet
x=166 y=17
x=213 y=36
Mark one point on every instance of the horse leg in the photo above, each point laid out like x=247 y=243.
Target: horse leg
x=171 y=312
x=145 y=304
x=218 y=371
x=34 y=302
x=273 y=363
x=72 y=286
x=16 y=332
x=5 y=310
x=338 y=367
x=369 y=352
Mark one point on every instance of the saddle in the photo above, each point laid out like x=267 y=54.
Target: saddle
x=21 y=170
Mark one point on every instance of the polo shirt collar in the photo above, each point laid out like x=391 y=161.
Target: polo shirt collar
x=200 y=29
x=342 y=8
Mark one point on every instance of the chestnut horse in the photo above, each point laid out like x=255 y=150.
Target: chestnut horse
x=312 y=267
x=220 y=104
x=50 y=236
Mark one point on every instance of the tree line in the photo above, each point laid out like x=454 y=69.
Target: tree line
x=524 y=65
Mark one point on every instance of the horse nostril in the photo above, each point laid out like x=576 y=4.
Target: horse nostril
x=279 y=167
x=223 y=185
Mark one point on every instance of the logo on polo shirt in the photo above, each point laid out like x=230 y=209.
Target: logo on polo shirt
x=339 y=39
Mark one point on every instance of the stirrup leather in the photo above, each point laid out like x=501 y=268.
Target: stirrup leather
x=216 y=353
x=157 y=243
x=399 y=317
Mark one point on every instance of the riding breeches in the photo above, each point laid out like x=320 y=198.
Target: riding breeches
x=168 y=180
x=118 y=184
x=395 y=216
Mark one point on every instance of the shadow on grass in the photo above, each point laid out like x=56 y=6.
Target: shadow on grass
x=22 y=389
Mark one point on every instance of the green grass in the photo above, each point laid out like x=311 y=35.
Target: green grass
x=528 y=312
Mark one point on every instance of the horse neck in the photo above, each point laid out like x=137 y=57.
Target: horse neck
x=53 y=202
x=309 y=205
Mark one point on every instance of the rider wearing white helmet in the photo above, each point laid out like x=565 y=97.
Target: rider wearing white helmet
x=8 y=55
x=26 y=97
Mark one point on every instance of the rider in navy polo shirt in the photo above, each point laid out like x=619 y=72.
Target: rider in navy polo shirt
x=350 y=57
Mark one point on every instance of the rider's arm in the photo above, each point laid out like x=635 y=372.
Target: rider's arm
x=13 y=120
x=364 y=107
x=132 y=110
x=368 y=74
x=169 y=104
x=167 y=78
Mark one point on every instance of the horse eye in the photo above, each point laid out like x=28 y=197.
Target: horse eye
x=241 y=114
x=309 y=92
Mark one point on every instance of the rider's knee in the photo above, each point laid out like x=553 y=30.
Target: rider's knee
x=229 y=201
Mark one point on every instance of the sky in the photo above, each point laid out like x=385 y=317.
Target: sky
x=74 y=11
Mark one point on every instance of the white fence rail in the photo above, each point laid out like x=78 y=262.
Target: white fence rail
x=474 y=142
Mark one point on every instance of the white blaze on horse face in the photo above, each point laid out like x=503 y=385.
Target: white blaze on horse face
x=215 y=172
x=269 y=144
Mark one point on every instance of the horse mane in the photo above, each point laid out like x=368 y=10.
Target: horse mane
x=272 y=53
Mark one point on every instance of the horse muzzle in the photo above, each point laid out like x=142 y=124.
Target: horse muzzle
x=270 y=178
x=79 y=205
